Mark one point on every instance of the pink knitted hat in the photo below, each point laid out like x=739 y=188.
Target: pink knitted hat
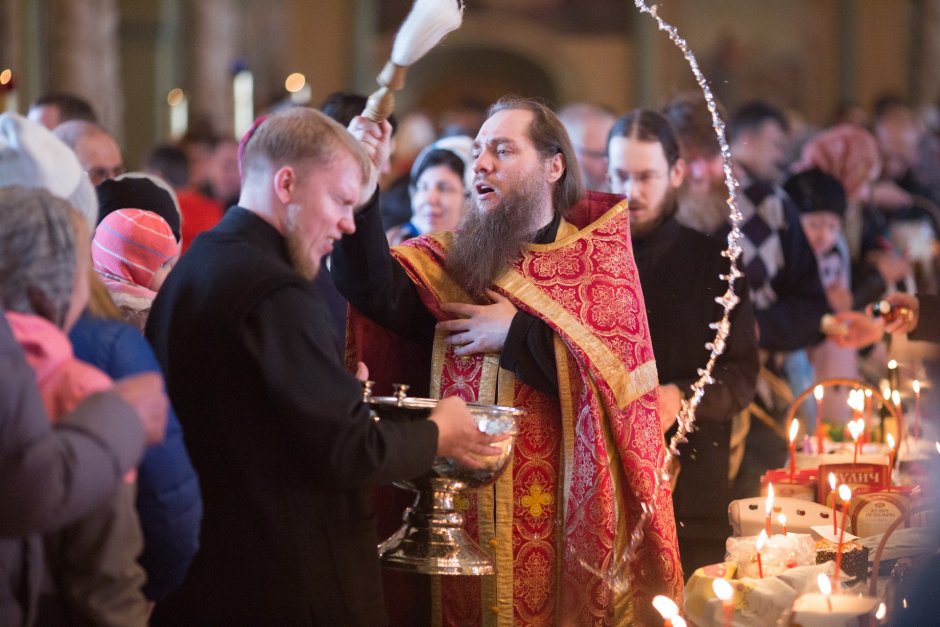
x=847 y=153
x=130 y=245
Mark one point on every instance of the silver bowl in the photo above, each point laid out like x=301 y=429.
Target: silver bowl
x=432 y=539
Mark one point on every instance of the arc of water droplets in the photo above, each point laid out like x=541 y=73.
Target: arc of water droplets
x=619 y=575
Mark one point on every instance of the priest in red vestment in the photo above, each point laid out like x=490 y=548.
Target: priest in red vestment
x=535 y=303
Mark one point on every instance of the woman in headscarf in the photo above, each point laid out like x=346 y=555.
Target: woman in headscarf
x=44 y=262
x=441 y=181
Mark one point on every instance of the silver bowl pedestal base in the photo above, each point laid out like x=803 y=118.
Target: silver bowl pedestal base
x=432 y=541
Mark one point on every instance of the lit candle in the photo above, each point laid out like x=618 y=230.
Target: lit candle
x=893 y=378
x=868 y=422
x=890 y=439
x=768 y=507
x=825 y=586
x=179 y=112
x=761 y=539
x=845 y=493
x=725 y=592
x=916 y=386
x=882 y=611
x=794 y=429
x=832 y=493
x=854 y=430
x=667 y=608
x=782 y=519
x=818 y=393
x=678 y=621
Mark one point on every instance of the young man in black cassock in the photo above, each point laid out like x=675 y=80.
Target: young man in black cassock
x=679 y=271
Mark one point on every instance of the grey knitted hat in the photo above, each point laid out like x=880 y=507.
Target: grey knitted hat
x=37 y=253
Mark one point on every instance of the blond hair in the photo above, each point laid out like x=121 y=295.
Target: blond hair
x=300 y=137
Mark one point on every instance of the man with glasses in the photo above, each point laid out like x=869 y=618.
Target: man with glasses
x=97 y=150
x=679 y=271
x=588 y=125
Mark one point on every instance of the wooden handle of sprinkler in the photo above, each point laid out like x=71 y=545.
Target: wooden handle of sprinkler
x=381 y=103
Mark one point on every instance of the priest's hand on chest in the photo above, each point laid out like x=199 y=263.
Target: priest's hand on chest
x=479 y=328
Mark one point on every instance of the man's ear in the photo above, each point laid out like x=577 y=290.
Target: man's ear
x=555 y=168
x=677 y=173
x=285 y=183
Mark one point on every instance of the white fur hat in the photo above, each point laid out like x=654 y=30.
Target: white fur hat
x=31 y=156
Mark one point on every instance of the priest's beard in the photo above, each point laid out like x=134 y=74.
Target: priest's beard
x=706 y=211
x=298 y=246
x=487 y=242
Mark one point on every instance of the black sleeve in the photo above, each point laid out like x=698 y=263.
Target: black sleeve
x=529 y=353
x=318 y=402
x=736 y=370
x=374 y=283
x=928 y=319
x=867 y=285
x=792 y=321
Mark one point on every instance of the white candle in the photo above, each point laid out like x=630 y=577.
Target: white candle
x=179 y=112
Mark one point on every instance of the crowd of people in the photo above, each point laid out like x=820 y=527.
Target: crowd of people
x=184 y=436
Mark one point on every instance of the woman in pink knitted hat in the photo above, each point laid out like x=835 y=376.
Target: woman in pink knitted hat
x=850 y=155
x=133 y=251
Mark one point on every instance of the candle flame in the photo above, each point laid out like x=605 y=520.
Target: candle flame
x=832 y=481
x=890 y=439
x=295 y=82
x=818 y=392
x=845 y=493
x=916 y=386
x=761 y=540
x=678 y=621
x=769 y=504
x=882 y=611
x=892 y=364
x=896 y=398
x=825 y=586
x=175 y=97
x=782 y=519
x=853 y=429
x=938 y=446
x=794 y=429
x=665 y=606
x=723 y=590
x=867 y=393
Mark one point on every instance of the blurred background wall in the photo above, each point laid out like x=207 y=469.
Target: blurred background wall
x=125 y=56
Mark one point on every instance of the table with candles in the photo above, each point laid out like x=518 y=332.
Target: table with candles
x=803 y=550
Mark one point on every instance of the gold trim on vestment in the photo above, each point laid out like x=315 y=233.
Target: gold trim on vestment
x=503 y=512
x=438 y=350
x=622 y=607
x=568 y=232
x=486 y=497
x=626 y=386
x=435 y=278
x=566 y=462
